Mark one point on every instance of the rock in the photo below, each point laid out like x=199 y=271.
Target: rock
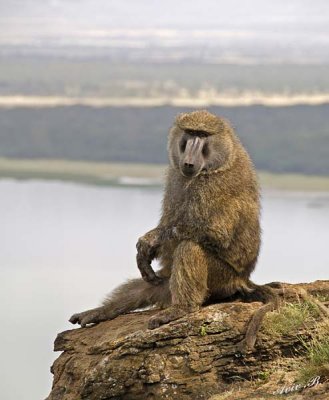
x=194 y=357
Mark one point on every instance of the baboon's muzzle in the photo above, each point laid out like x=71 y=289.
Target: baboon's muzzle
x=192 y=157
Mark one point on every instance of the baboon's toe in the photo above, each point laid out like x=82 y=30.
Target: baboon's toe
x=85 y=318
x=168 y=315
x=74 y=319
x=85 y=321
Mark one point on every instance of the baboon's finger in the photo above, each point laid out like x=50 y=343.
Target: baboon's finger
x=147 y=272
x=144 y=260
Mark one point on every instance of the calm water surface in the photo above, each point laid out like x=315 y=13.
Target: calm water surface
x=64 y=246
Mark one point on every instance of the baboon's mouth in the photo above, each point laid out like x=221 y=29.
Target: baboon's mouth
x=189 y=173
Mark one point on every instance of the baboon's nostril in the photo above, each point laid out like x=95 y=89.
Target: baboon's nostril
x=188 y=165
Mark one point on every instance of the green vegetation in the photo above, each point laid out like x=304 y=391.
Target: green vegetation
x=142 y=174
x=317 y=357
x=322 y=297
x=289 y=318
x=86 y=172
x=264 y=376
x=48 y=76
x=291 y=139
x=287 y=321
x=203 y=330
x=279 y=139
x=294 y=182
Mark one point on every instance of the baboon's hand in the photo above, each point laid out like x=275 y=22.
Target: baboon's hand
x=147 y=247
x=144 y=260
x=88 y=317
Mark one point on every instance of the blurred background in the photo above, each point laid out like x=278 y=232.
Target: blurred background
x=88 y=91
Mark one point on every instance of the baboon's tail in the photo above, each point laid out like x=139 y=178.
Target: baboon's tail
x=266 y=295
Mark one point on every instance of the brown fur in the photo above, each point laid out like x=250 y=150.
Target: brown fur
x=208 y=237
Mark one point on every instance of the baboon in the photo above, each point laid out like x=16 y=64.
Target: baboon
x=208 y=237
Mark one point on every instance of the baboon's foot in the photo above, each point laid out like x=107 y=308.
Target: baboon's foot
x=89 y=317
x=169 y=314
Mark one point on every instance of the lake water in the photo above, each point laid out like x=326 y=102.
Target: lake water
x=64 y=246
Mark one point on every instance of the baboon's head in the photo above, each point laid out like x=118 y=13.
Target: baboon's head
x=200 y=142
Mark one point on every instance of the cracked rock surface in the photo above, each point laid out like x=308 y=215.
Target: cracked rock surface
x=194 y=357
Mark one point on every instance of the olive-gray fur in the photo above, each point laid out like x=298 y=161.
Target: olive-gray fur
x=208 y=237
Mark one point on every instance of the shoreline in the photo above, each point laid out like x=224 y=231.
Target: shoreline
x=243 y=99
x=136 y=175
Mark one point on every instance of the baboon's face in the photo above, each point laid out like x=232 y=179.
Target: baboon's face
x=195 y=151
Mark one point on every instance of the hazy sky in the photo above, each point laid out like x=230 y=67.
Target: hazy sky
x=165 y=14
x=292 y=29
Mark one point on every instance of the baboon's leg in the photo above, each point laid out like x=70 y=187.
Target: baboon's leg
x=188 y=283
x=130 y=296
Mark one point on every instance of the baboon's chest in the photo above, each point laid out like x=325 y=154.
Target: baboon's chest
x=191 y=206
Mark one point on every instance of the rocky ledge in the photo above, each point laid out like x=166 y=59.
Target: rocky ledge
x=195 y=357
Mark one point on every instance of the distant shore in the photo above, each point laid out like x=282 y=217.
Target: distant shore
x=130 y=174
x=203 y=99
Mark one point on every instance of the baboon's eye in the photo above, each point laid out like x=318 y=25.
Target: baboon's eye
x=182 y=145
x=205 y=150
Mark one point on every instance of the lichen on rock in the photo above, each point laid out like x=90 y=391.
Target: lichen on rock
x=194 y=357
